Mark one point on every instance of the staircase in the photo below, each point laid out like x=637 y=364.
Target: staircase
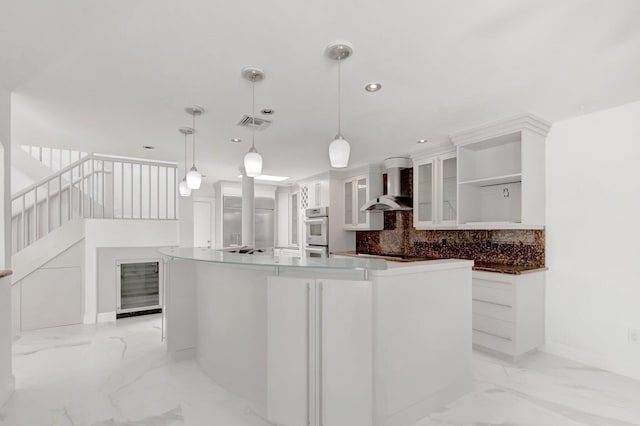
x=47 y=217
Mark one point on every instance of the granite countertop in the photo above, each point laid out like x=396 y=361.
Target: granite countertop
x=478 y=266
x=5 y=272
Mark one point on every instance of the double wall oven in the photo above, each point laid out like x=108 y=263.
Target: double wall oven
x=316 y=224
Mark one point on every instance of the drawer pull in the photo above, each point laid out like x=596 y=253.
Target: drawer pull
x=493 y=335
x=492 y=303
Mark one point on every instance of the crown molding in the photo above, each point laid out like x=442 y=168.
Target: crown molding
x=517 y=123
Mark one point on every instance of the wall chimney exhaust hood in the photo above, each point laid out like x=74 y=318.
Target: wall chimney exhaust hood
x=393 y=200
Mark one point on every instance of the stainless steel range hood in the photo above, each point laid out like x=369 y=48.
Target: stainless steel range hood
x=393 y=200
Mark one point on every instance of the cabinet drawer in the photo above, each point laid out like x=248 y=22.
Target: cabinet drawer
x=494 y=310
x=495 y=327
x=505 y=297
x=495 y=283
x=495 y=343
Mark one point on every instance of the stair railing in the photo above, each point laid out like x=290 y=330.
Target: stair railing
x=96 y=186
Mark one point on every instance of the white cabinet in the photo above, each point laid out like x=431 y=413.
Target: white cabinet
x=316 y=192
x=320 y=343
x=287 y=350
x=501 y=181
x=435 y=191
x=508 y=312
x=357 y=191
x=287 y=219
x=346 y=339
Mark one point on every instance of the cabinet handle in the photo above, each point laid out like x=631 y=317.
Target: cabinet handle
x=493 y=335
x=492 y=303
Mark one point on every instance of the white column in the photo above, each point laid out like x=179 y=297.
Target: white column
x=185 y=215
x=248 y=211
x=6 y=376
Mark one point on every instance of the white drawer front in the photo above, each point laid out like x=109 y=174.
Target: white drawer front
x=502 y=283
x=494 y=295
x=494 y=327
x=492 y=342
x=494 y=310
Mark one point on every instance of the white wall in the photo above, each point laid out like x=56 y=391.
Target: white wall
x=593 y=238
x=26 y=170
x=6 y=376
x=119 y=233
x=51 y=295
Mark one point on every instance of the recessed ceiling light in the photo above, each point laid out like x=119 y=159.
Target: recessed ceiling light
x=422 y=141
x=270 y=178
x=373 y=87
x=267 y=111
x=236 y=140
x=148 y=147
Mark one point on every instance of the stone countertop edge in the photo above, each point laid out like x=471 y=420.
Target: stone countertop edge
x=400 y=268
x=484 y=267
x=5 y=272
x=509 y=269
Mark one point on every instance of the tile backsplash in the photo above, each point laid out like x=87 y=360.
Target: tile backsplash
x=510 y=247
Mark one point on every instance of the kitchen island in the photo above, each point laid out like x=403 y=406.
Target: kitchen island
x=355 y=342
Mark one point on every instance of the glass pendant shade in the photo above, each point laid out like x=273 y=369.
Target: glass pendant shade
x=253 y=163
x=184 y=189
x=194 y=178
x=339 y=151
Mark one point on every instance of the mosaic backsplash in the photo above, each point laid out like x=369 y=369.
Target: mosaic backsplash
x=509 y=247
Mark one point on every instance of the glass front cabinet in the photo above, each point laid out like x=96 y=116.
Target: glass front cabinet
x=435 y=191
x=357 y=191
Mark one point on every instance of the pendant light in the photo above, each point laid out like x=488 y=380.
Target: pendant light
x=194 y=178
x=339 y=149
x=253 y=159
x=183 y=188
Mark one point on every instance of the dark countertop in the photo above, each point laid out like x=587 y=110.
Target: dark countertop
x=506 y=269
x=5 y=272
x=478 y=266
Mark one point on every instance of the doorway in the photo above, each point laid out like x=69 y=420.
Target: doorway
x=202 y=224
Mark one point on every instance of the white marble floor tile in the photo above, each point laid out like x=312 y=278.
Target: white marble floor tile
x=118 y=374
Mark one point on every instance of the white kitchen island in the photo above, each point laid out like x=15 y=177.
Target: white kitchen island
x=332 y=342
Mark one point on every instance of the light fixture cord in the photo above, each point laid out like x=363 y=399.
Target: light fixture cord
x=185 y=154
x=253 y=111
x=194 y=139
x=339 y=94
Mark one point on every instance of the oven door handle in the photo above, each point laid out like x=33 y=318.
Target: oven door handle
x=319 y=220
x=316 y=249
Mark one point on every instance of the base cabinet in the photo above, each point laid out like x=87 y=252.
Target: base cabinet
x=508 y=312
x=319 y=356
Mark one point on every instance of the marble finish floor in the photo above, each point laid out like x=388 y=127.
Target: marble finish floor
x=118 y=374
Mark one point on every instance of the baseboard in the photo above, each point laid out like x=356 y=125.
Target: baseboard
x=598 y=360
x=106 y=316
x=7 y=386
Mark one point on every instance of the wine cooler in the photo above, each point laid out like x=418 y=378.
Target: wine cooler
x=139 y=287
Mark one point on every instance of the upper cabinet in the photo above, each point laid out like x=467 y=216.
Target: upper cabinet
x=501 y=174
x=357 y=190
x=435 y=190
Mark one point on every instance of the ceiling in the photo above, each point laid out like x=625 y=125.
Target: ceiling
x=111 y=76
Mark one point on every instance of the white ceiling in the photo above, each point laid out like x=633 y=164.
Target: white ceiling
x=111 y=76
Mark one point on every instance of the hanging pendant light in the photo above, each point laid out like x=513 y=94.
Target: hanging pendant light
x=183 y=188
x=194 y=178
x=253 y=159
x=339 y=149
